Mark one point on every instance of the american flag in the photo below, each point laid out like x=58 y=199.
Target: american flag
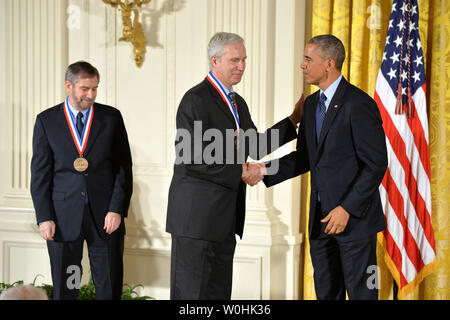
x=405 y=191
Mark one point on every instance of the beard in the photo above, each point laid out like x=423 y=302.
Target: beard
x=83 y=103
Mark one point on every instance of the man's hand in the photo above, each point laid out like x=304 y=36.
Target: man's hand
x=252 y=173
x=112 y=222
x=296 y=115
x=47 y=230
x=338 y=218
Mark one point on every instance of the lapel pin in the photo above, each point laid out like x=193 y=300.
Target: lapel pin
x=335 y=106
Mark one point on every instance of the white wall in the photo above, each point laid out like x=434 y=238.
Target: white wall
x=41 y=37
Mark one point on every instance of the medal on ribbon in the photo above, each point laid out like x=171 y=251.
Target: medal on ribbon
x=80 y=164
x=233 y=108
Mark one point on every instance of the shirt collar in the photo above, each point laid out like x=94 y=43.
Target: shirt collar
x=331 y=90
x=224 y=87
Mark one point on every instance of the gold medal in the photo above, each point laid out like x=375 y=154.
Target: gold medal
x=80 y=164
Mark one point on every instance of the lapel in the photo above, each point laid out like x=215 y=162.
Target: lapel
x=64 y=130
x=220 y=104
x=96 y=128
x=333 y=110
x=312 y=120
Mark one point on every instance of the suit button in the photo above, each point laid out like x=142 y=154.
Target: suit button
x=83 y=194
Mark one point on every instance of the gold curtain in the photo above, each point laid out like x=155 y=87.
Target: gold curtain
x=362 y=27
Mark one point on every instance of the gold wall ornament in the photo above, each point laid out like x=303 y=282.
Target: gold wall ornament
x=132 y=31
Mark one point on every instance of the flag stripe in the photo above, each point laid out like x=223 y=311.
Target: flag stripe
x=397 y=204
x=398 y=195
x=417 y=130
x=395 y=241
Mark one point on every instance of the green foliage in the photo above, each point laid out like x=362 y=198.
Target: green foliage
x=87 y=291
x=128 y=293
x=5 y=286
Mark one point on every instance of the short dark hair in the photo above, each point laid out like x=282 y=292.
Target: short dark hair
x=81 y=69
x=331 y=47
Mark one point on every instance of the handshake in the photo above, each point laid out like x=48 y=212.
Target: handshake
x=253 y=172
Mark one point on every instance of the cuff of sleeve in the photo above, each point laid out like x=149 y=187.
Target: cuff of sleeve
x=293 y=123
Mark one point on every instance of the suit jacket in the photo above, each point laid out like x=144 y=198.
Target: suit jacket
x=58 y=190
x=346 y=164
x=207 y=200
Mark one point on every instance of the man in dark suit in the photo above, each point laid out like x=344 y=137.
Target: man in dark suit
x=342 y=143
x=206 y=206
x=81 y=185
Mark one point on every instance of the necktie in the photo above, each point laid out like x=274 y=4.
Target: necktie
x=232 y=97
x=79 y=123
x=320 y=114
x=80 y=126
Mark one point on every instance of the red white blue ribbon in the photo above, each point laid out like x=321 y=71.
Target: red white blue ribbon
x=80 y=142
x=216 y=84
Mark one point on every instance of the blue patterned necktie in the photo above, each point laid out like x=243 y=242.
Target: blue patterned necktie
x=79 y=123
x=320 y=114
x=232 y=97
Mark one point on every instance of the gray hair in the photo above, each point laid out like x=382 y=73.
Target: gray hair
x=24 y=292
x=331 y=48
x=81 y=69
x=219 y=41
